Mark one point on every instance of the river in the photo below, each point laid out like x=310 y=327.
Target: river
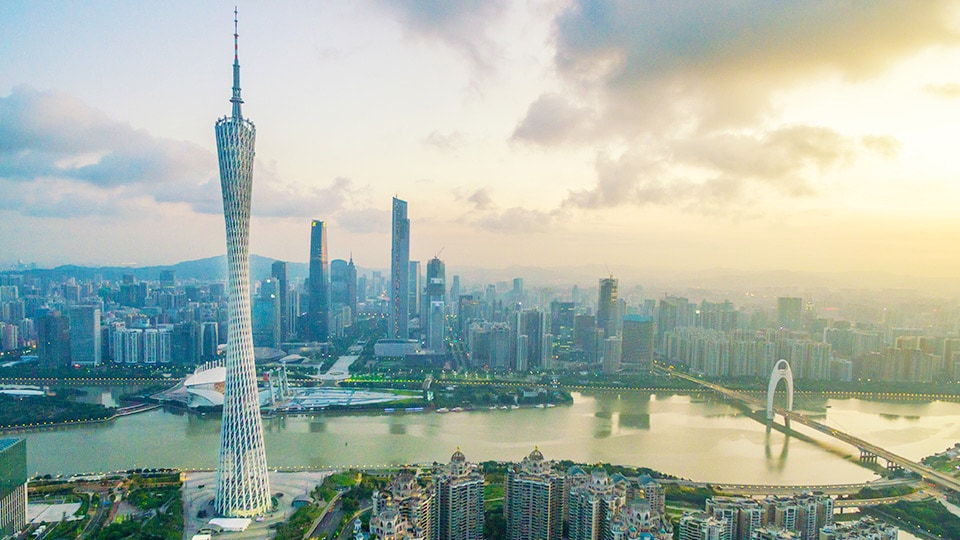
x=687 y=436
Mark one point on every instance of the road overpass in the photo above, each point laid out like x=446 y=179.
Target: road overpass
x=933 y=476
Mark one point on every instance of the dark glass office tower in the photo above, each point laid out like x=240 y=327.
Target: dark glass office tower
x=318 y=311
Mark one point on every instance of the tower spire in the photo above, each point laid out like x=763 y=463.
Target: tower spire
x=236 y=68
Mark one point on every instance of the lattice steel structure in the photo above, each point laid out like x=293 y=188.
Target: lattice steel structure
x=243 y=488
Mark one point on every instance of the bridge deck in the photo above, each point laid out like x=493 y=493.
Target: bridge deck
x=931 y=475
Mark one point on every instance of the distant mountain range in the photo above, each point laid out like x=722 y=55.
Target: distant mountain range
x=208 y=269
x=695 y=283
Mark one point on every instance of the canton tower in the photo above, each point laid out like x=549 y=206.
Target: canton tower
x=242 y=485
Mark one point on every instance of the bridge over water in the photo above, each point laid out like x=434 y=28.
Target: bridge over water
x=866 y=448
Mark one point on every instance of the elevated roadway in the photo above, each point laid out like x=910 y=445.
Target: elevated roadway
x=933 y=476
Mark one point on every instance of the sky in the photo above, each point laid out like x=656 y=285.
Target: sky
x=811 y=136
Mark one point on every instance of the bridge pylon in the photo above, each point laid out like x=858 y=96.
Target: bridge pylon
x=781 y=372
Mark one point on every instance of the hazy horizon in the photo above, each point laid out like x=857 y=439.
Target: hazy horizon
x=668 y=137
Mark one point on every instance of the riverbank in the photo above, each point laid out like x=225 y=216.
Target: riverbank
x=118 y=413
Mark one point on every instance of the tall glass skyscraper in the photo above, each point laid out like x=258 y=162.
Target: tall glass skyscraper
x=435 y=314
x=608 y=307
x=242 y=484
x=318 y=312
x=399 y=319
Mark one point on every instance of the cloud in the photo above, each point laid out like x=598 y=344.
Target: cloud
x=677 y=97
x=517 y=220
x=62 y=157
x=717 y=64
x=272 y=199
x=481 y=199
x=945 y=90
x=50 y=134
x=551 y=119
x=49 y=197
x=444 y=141
x=884 y=145
x=364 y=220
x=724 y=169
x=461 y=24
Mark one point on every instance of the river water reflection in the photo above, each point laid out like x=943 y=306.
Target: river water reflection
x=687 y=436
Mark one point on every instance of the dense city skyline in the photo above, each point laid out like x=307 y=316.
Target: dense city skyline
x=807 y=137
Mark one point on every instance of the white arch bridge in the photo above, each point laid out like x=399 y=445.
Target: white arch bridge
x=867 y=449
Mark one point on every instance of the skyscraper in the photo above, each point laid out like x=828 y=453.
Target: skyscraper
x=457 y=500
x=592 y=502
x=352 y=287
x=279 y=272
x=318 y=310
x=435 y=303
x=533 y=500
x=637 y=346
x=242 y=484
x=53 y=340
x=399 y=319
x=608 y=308
x=267 y=315
x=13 y=486
x=415 y=289
x=790 y=313
x=85 y=340
x=532 y=347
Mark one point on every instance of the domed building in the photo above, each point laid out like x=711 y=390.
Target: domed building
x=457 y=500
x=533 y=499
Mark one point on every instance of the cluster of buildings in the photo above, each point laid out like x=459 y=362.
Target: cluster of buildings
x=538 y=499
x=801 y=517
x=712 y=339
x=502 y=326
x=510 y=329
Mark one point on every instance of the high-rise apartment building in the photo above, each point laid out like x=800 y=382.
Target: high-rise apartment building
x=865 y=528
x=742 y=514
x=13 y=486
x=533 y=500
x=9 y=339
x=592 y=503
x=674 y=312
x=804 y=514
x=399 y=315
x=790 y=313
x=318 y=309
x=457 y=500
x=608 y=307
x=410 y=500
x=702 y=526
x=243 y=488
